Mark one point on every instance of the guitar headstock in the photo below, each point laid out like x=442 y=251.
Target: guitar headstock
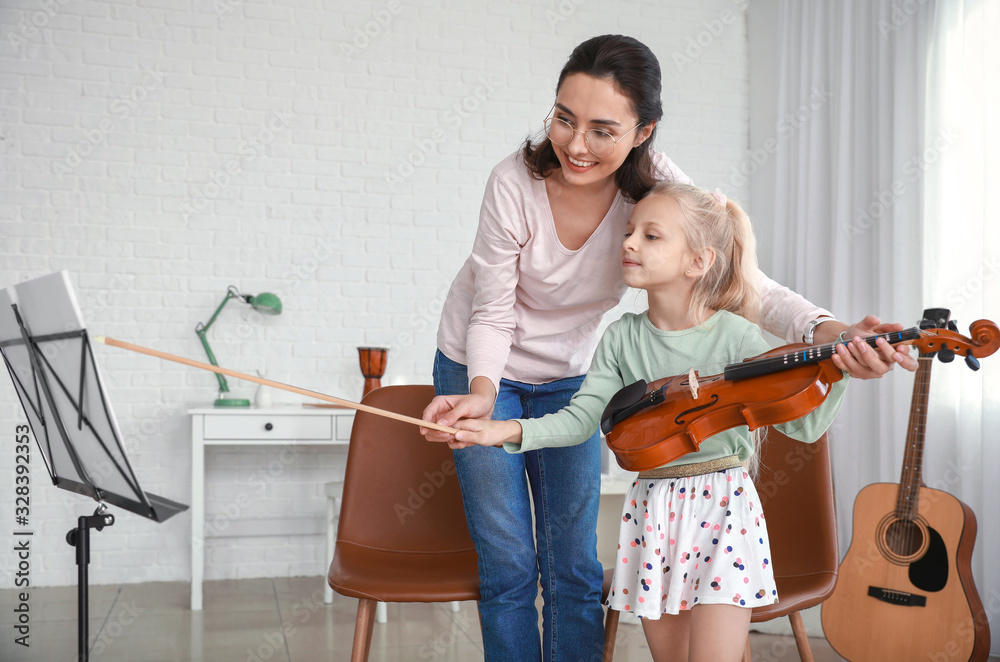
x=937 y=318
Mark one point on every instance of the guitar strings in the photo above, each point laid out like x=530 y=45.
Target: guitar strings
x=909 y=488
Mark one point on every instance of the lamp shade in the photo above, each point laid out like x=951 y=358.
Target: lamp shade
x=266 y=303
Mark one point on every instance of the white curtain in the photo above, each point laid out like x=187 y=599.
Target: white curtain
x=962 y=223
x=888 y=151
x=846 y=230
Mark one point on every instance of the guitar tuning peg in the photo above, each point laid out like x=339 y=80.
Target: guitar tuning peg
x=972 y=362
x=946 y=354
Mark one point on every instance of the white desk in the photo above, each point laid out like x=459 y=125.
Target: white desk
x=292 y=425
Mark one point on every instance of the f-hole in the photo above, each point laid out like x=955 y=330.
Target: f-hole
x=679 y=419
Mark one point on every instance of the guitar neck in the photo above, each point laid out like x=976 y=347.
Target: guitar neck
x=911 y=477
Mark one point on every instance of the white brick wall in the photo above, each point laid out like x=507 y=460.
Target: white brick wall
x=331 y=152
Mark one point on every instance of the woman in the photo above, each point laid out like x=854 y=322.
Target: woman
x=519 y=328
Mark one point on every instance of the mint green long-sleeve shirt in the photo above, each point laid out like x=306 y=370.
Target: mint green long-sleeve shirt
x=633 y=349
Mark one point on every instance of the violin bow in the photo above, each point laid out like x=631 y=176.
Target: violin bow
x=273 y=384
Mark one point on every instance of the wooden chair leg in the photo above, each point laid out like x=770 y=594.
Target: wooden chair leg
x=746 y=654
x=801 y=638
x=610 y=634
x=363 y=630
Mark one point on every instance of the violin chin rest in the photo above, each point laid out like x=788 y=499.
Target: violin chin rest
x=620 y=402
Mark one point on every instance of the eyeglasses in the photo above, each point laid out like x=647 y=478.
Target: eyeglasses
x=598 y=141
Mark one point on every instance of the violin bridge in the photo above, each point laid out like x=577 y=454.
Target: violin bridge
x=693 y=383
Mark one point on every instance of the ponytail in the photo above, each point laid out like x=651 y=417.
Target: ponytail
x=738 y=289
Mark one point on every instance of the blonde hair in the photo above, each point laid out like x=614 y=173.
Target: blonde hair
x=731 y=283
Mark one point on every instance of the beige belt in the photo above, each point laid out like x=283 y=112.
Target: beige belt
x=694 y=469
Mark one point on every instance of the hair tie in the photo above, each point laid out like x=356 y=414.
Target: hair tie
x=718 y=195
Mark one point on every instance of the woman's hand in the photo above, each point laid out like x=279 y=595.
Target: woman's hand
x=858 y=358
x=447 y=409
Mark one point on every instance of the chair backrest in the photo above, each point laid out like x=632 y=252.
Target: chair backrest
x=795 y=484
x=400 y=490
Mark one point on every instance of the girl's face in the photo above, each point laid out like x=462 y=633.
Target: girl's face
x=655 y=253
x=588 y=103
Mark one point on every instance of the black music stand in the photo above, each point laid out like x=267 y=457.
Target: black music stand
x=47 y=352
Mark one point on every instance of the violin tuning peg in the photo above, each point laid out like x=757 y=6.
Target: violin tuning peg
x=972 y=362
x=946 y=355
x=953 y=326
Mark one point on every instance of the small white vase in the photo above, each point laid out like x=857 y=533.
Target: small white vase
x=262 y=396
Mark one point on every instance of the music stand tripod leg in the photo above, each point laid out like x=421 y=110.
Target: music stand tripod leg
x=80 y=538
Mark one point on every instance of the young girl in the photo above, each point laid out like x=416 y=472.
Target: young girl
x=693 y=556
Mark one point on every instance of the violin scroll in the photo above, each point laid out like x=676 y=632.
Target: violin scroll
x=986 y=336
x=984 y=341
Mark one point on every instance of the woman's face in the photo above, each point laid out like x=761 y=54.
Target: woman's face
x=588 y=103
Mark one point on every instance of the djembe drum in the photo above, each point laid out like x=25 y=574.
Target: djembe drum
x=372 y=366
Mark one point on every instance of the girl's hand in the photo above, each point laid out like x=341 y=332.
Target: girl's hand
x=861 y=361
x=446 y=409
x=473 y=432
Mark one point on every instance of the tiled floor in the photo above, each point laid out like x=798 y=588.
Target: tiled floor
x=271 y=620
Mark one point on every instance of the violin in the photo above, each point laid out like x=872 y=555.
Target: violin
x=650 y=425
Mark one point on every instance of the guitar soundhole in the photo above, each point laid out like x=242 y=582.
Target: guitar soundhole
x=902 y=540
x=904 y=537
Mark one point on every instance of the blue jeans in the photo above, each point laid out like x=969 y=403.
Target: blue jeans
x=565 y=488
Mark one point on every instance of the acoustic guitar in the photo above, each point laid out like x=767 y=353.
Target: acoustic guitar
x=905 y=589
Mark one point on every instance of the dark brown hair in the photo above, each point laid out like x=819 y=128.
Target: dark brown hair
x=635 y=72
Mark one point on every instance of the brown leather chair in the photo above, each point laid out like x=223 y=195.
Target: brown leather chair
x=402 y=535
x=795 y=483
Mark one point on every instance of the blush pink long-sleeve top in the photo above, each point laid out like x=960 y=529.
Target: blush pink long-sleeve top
x=526 y=308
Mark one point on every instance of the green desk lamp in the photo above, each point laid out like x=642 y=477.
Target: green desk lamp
x=266 y=303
